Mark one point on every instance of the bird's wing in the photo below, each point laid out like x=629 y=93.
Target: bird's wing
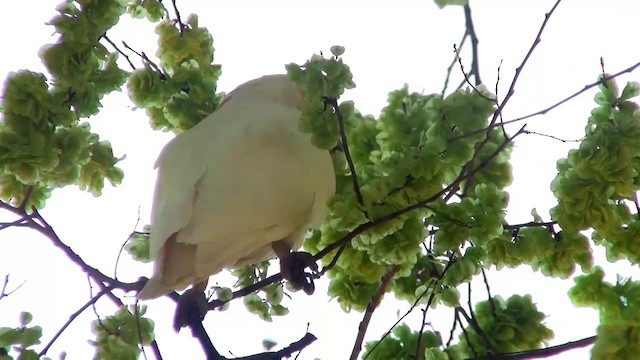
x=258 y=188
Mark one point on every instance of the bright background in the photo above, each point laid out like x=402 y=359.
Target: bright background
x=387 y=44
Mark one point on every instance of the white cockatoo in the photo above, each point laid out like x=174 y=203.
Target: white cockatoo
x=240 y=187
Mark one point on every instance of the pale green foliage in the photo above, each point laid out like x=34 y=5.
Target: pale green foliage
x=182 y=91
x=138 y=245
x=515 y=325
x=43 y=144
x=266 y=305
x=619 y=307
x=416 y=147
x=118 y=336
x=403 y=344
x=153 y=10
x=401 y=158
x=594 y=180
x=21 y=338
x=443 y=3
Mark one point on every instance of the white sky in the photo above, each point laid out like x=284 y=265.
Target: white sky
x=387 y=44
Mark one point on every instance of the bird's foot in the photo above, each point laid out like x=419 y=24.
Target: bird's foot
x=292 y=267
x=191 y=309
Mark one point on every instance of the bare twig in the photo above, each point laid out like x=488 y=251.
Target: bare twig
x=494 y=310
x=453 y=63
x=115 y=267
x=552 y=137
x=72 y=317
x=537 y=40
x=555 y=105
x=453 y=326
x=466 y=78
x=371 y=307
x=126 y=57
x=4 y=293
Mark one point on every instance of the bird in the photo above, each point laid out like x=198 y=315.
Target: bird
x=242 y=186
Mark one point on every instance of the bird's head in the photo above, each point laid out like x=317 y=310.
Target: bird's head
x=273 y=88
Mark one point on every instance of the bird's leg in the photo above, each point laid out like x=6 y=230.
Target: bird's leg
x=293 y=264
x=192 y=306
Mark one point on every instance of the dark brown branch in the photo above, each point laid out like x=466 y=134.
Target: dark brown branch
x=181 y=25
x=126 y=57
x=287 y=352
x=371 y=307
x=433 y=282
x=537 y=40
x=413 y=306
x=475 y=66
x=345 y=148
x=25 y=200
x=476 y=327
x=543 y=353
x=529 y=224
x=494 y=310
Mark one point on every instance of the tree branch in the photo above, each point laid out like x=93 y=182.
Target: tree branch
x=371 y=307
x=543 y=353
x=555 y=105
x=72 y=317
x=475 y=66
x=343 y=139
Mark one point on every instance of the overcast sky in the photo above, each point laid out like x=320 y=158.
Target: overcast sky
x=387 y=44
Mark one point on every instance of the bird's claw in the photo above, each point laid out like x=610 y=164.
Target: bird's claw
x=293 y=268
x=191 y=308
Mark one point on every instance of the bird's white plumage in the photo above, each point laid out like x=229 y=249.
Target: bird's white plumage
x=241 y=179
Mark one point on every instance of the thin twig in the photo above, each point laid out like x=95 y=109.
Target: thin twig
x=432 y=282
x=413 y=306
x=345 y=148
x=4 y=293
x=72 y=317
x=453 y=63
x=371 y=307
x=555 y=105
x=453 y=326
x=466 y=338
x=552 y=137
x=494 y=310
x=537 y=41
x=126 y=57
x=466 y=78
x=115 y=267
